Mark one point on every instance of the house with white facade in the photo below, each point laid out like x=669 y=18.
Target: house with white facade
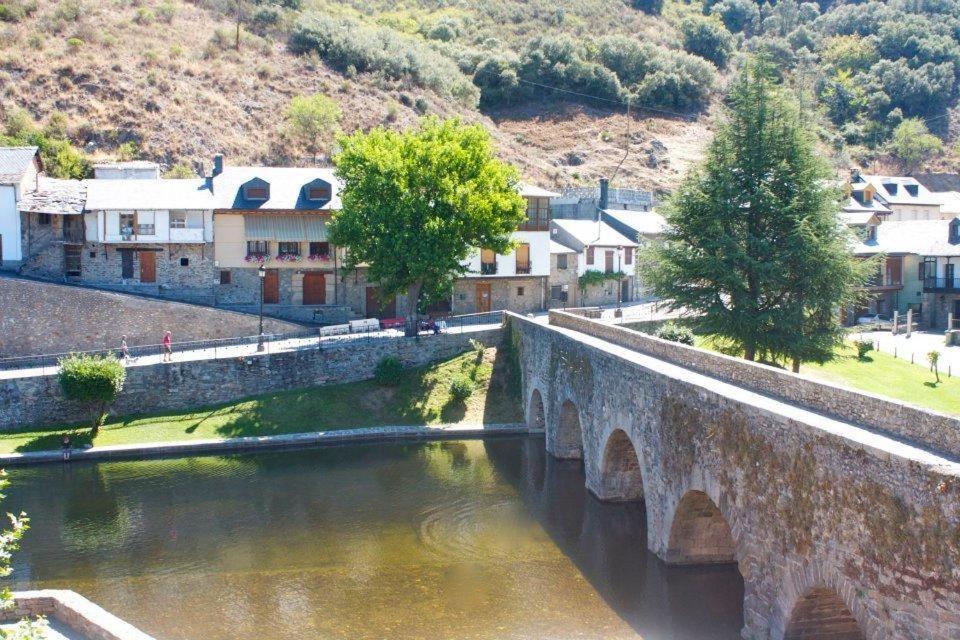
x=150 y=235
x=903 y=197
x=605 y=260
x=20 y=168
x=518 y=280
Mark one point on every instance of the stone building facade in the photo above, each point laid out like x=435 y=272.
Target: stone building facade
x=838 y=530
x=519 y=294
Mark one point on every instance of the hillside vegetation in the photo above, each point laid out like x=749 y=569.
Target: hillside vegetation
x=551 y=80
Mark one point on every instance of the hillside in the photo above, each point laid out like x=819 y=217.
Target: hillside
x=160 y=79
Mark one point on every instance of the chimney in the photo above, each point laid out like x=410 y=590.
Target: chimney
x=604 y=196
x=217 y=164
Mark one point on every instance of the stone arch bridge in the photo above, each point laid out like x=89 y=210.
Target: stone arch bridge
x=840 y=509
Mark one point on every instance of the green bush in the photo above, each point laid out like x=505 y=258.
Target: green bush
x=389 y=372
x=863 y=348
x=707 y=38
x=12 y=12
x=674 y=333
x=461 y=388
x=94 y=381
x=144 y=16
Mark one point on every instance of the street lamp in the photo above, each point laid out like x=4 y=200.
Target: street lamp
x=262 y=272
x=619 y=311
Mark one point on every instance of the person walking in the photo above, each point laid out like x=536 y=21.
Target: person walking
x=167 y=347
x=124 y=350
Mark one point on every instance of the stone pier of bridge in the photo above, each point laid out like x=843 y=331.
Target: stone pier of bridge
x=840 y=509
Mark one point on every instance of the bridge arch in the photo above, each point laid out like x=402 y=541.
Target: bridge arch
x=536 y=416
x=568 y=436
x=699 y=532
x=821 y=614
x=621 y=477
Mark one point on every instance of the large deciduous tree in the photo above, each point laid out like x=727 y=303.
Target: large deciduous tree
x=416 y=203
x=754 y=247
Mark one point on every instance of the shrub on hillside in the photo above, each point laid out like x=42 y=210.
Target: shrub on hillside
x=389 y=372
x=674 y=333
x=863 y=348
x=60 y=158
x=562 y=62
x=461 y=388
x=344 y=42
x=94 y=381
x=707 y=38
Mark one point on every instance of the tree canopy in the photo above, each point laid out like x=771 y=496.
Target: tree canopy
x=754 y=247
x=417 y=203
x=94 y=381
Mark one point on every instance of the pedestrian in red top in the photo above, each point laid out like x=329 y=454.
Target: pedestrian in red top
x=167 y=347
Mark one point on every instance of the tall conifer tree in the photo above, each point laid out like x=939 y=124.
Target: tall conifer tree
x=754 y=245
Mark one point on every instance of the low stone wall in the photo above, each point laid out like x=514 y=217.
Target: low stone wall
x=42 y=317
x=81 y=616
x=37 y=401
x=936 y=430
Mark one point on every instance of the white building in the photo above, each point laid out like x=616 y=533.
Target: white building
x=904 y=196
x=604 y=251
x=20 y=168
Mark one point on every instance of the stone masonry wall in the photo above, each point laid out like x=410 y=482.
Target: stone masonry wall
x=940 y=431
x=505 y=293
x=807 y=509
x=40 y=317
x=37 y=401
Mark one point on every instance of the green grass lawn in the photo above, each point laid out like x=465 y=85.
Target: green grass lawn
x=882 y=374
x=423 y=397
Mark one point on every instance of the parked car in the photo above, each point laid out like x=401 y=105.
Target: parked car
x=877 y=321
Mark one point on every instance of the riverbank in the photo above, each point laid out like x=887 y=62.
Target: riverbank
x=422 y=397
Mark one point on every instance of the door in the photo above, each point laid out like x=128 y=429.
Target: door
x=956 y=314
x=625 y=290
x=126 y=264
x=483 y=297
x=377 y=308
x=314 y=288
x=148 y=266
x=271 y=287
x=71 y=259
x=948 y=275
x=609 y=262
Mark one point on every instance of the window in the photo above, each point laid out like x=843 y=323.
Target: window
x=144 y=224
x=556 y=292
x=43 y=219
x=224 y=276
x=538 y=214
x=871 y=233
x=488 y=262
x=628 y=255
x=320 y=249
x=589 y=255
x=955 y=231
x=255 y=193
x=523 y=258
x=289 y=249
x=93 y=254
x=318 y=193
x=561 y=261
x=519 y=291
x=608 y=264
x=184 y=262
x=256 y=247
x=178 y=220
x=127 y=222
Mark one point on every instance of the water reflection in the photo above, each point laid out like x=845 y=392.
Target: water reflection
x=473 y=539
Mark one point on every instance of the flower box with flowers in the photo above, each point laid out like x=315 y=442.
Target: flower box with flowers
x=319 y=257
x=288 y=257
x=259 y=258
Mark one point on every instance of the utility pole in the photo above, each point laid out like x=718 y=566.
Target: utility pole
x=236 y=44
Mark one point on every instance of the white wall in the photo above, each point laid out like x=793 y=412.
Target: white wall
x=600 y=261
x=10 y=225
x=104 y=226
x=539 y=242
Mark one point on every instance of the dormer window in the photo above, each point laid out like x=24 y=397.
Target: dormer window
x=955 y=231
x=891 y=188
x=871 y=233
x=317 y=191
x=256 y=190
x=913 y=189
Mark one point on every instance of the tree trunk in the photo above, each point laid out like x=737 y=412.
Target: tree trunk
x=796 y=365
x=98 y=416
x=749 y=353
x=413 y=301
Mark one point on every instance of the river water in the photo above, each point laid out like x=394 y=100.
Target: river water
x=454 y=539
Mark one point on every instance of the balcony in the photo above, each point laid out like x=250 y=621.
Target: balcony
x=940 y=285
x=73 y=235
x=524 y=268
x=488 y=268
x=186 y=235
x=878 y=283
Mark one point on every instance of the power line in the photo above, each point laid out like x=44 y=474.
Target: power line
x=610 y=100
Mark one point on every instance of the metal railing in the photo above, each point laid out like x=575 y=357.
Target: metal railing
x=942 y=284
x=191 y=350
x=524 y=268
x=488 y=268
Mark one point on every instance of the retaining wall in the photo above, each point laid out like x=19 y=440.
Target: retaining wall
x=37 y=401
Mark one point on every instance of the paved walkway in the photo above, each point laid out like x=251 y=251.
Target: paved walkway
x=919 y=344
x=236 y=351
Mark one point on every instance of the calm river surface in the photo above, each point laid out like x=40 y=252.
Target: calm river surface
x=460 y=539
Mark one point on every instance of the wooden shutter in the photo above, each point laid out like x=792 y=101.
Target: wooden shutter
x=589 y=255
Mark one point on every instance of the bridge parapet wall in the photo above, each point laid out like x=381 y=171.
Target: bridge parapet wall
x=934 y=430
x=827 y=532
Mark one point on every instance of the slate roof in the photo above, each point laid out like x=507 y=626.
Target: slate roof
x=645 y=223
x=532 y=191
x=593 y=233
x=949 y=202
x=856 y=218
x=147 y=194
x=884 y=188
x=286 y=188
x=14 y=162
x=874 y=206
x=55 y=196
x=920 y=237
